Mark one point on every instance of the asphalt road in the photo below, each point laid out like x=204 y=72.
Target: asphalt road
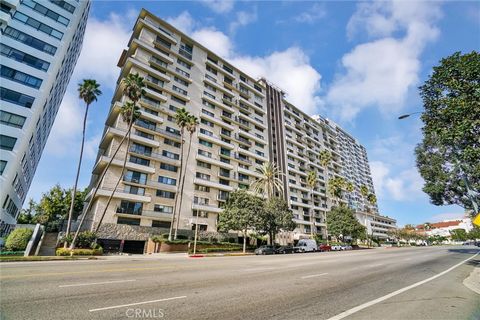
x=366 y=284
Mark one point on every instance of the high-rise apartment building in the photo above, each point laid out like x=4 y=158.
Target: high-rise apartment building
x=243 y=123
x=229 y=145
x=40 y=45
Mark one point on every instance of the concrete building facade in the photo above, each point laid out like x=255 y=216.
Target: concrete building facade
x=40 y=45
x=243 y=123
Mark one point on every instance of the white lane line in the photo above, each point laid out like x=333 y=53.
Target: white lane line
x=407 y=259
x=93 y=283
x=136 y=304
x=388 y=296
x=314 y=275
x=374 y=265
x=258 y=269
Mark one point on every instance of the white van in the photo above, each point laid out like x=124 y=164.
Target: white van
x=306 y=245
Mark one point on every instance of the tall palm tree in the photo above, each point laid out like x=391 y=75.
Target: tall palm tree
x=325 y=159
x=364 y=192
x=132 y=80
x=88 y=91
x=181 y=119
x=191 y=126
x=130 y=112
x=312 y=182
x=270 y=180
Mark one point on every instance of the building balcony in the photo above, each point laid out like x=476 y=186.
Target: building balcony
x=216 y=140
x=104 y=160
x=156 y=95
x=212 y=184
x=157 y=215
x=214 y=160
x=119 y=194
x=205 y=207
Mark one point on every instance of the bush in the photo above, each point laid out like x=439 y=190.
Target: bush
x=86 y=239
x=11 y=253
x=18 y=239
x=79 y=252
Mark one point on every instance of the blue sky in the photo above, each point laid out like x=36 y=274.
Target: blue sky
x=358 y=64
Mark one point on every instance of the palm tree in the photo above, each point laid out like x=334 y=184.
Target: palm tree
x=325 y=159
x=130 y=112
x=181 y=119
x=88 y=91
x=312 y=182
x=191 y=126
x=372 y=199
x=130 y=82
x=364 y=193
x=270 y=180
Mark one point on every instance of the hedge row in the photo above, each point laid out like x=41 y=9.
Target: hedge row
x=78 y=252
x=11 y=253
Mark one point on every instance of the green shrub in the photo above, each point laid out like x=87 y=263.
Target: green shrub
x=79 y=252
x=11 y=253
x=18 y=239
x=86 y=239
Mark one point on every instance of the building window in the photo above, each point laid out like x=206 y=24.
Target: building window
x=167 y=180
x=228 y=69
x=135 y=190
x=165 y=194
x=201 y=201
x=172 y=143
x=20 y=77
x=129 y=221
x=206 y=122
x=11 y=119
x=16 y=97
x=64 y=5
x=204 y=165
x=46 y=12
x=202 y=188
x=170 y=155
x=200 y=213
x=38 y=25
x=7 y=143
x=23 y=57
x=212 y=70
x=30 y=41
x=181 y=81
x=205 y=143
x=3 y=164
x=182 y=73
x=12 y=208
x=135 y=177
x=169 y=167
x=184 y=64
x=186 y=50
x=179 y=90
x=173 y=131
x=203 y=176
x=208 y=113
x=162 y=208
x=130 y=207
x=205 y=153
x=161 y=224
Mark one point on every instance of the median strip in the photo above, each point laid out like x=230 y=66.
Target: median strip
x=136 y=304
x=93 y=283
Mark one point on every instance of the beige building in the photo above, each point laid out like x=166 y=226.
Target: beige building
x=243 y=123
x=230 y=142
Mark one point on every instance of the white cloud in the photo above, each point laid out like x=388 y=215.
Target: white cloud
x=184 y=22
x=312 y=15
x=289 y=69
x=219 y=6
x=215 y=40
x=102 y=45
x=382 y=72
x=243 y=18
x=403 y=186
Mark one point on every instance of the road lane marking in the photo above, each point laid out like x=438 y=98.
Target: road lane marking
x=94 y=283
x=259 y=269
x=407 y=259
x=136 y=304
x=314 y=275
x=390 y=295
x=374 y=265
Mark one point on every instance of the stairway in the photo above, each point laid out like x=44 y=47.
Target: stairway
x=48 y=244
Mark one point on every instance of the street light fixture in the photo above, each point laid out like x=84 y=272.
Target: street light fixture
x=403 y=116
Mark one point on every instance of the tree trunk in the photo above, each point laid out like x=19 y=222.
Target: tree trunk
x=183 y=184
x=177 y=193
x=74 y=191
x=119 y=178
x=312 y=217
x=99 y=181
x=244 y=241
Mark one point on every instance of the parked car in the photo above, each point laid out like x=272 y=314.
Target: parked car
x=306 y=245
x=285 y=249
x=344 y=248
x=265 y=250
x=324 y=247
x=336 y=248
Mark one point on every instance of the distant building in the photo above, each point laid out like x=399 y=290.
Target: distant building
x=377 y=225
x=444 y=228
x=40 y=45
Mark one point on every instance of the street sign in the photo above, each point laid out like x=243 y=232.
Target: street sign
x=476 y=220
